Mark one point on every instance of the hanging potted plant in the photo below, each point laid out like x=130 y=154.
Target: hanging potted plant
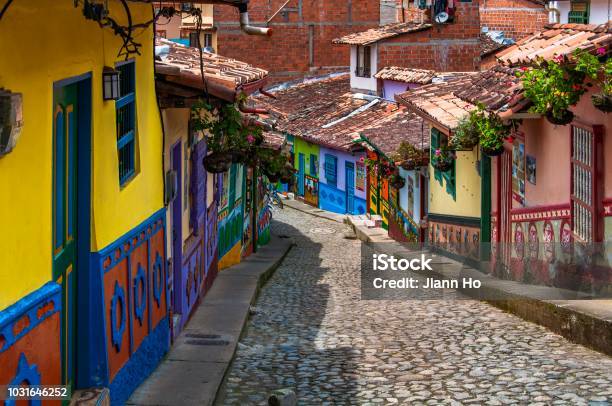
x=410 y=157
x=552 y=87
x=465 y=136
x=380 y=167
x=397 y=181
x=598 y=68
x=227 y=138
x=491 y=129
x=443 y=159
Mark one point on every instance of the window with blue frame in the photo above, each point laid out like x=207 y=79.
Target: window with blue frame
x=331 y=169
x=126 y=122
x=314 y=165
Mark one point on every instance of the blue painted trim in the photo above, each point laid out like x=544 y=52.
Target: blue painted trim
x=141 y=364
x=25 y=373
x=49 y=292
x=87 y=281
x=125 y=239
x=125 y=100
x=140 y=293
x=118 y=331
x=69 y=81
x=125 y=139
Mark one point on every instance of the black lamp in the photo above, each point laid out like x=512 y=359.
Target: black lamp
x=111 y=83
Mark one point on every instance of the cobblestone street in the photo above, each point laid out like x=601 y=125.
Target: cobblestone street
x=311 y=332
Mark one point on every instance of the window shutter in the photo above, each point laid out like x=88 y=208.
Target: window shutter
x=331 y=169
x=435 y=144
x=313 y=165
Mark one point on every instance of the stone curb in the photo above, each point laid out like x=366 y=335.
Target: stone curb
x=195 y=368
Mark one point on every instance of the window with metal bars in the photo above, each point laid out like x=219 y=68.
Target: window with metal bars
x=579 y=12
x=126 y=122
x=586 y=184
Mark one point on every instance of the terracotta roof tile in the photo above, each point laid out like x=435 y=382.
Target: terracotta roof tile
x=407 y=75
x=183 y=63
x=325 y=112
x=558 y=39
x=488 y=45
x=377 y=34
x=447 y=103
x=404 y=126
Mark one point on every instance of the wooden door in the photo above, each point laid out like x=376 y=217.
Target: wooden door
x=65 y=125
x=350 y=187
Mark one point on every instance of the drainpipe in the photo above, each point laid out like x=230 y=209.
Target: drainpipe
x=251 y=110
x=247 y=27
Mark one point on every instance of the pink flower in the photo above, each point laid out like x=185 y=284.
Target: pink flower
x=438 y=152
x=524 y=69
x=558 y=58
x=362 y=159
x=601 y=51
x=250 y=139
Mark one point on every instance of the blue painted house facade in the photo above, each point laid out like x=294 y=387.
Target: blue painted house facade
x=342 y=181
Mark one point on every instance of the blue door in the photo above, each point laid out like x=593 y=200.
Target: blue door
x=350 y=187
x=301 y=174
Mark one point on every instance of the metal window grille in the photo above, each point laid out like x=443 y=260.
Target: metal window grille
x=585 y=185
x=126 y=122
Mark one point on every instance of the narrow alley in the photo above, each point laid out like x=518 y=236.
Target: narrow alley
x=311 y=332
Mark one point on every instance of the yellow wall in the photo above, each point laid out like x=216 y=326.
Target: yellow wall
x=232 y=257
x=42 y=42
x=467 y=203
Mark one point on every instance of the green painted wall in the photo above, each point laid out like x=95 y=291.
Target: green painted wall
x=306 y=148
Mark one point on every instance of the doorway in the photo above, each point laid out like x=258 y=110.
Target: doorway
x=71 y=207
x=350 y=187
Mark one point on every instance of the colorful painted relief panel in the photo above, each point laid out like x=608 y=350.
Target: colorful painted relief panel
x=401 y=225
x=247 y=223
x=30 y=339
x=459 y=239
x=385 y=209
x=542 y=252
x=311 y=190
x=135 y=305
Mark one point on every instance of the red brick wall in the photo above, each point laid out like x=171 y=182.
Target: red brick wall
x=286 y=53
x=447 y=47
x=516 y=18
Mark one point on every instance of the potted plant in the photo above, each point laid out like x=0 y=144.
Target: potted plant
x=552 y=87
x=599 y=69
x=465 y=136
x=380 y=167
x=397 y=181
x=227 y=137
x=491 y=130
x=409 y=156
x=443 y=159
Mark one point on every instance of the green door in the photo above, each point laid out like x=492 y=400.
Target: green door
x=65 y=217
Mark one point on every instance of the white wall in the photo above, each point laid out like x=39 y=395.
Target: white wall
x=367 y=85
x=403 y=194
x=600 y=11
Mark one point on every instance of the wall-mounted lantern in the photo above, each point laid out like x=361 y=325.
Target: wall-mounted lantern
x=11 y=120
x=111 y=83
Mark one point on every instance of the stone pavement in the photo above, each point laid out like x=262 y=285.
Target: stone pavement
x=193 y=371
x=311 y=332
x=587 y=322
